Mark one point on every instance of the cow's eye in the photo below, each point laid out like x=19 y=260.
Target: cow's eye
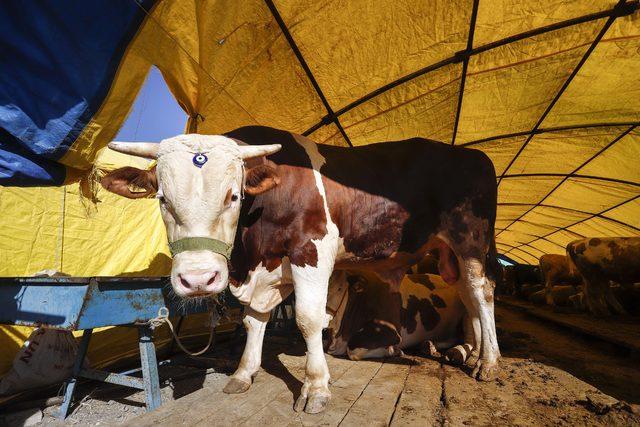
x=230 y=198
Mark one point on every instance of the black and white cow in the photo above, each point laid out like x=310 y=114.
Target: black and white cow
x=359 y=327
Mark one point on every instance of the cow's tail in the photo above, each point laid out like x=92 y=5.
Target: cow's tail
x=492 y=266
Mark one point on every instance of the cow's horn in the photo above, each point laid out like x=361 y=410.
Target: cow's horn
x=251 y=151
x=148 y=150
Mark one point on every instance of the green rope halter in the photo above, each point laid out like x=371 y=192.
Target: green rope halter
x=201 y=244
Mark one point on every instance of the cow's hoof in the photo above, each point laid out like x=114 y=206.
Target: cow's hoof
x=430 y=350
x=236 y=386
x=316 y=403
x=599 y=311
x=311 y=403
x=301 y=401
x=485 y=371
x=615 y=305
x=598 y=307
x=473 y=359
x=395 y=351
x=458 y=355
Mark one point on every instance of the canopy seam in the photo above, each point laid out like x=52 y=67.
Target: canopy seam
x=563 y=208
x=625 y=9
x=599 y=214
x=526 y=252
x=331 y=116
x=597 y=154
x=465 y=65
x=572 y=175
x=547 y=130
x=565 y=85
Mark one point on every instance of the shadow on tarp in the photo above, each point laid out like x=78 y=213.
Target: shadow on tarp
x=159 y=266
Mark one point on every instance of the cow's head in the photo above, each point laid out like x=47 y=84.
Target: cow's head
x=199 y=181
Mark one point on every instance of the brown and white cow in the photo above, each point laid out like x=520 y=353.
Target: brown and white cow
x=560 y=278
x=359 y=325
x=309 y=209
x=601 y=261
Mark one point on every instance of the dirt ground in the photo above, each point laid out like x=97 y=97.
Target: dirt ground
x=104 y=404
x=605 y=366
x=549 y=376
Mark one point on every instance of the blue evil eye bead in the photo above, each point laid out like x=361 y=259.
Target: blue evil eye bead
x=199 y=160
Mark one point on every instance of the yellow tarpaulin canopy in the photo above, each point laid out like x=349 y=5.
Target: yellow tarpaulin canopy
x=50 y=229
x=550 y=90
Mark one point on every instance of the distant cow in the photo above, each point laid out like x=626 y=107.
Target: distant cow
x=283 y=212
x=360 y=326
x=514 y=277
x=508 y=284
x=557 y=271
x=601 y=261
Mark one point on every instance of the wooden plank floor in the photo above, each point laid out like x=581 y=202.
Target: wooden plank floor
x=412 y=391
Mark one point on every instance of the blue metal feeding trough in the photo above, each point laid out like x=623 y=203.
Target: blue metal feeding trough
x=73 y=303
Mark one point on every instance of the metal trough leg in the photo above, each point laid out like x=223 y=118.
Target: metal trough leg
x=149 y=368
x=77 y=366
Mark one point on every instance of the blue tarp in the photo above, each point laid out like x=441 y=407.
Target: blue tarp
x=58 y=60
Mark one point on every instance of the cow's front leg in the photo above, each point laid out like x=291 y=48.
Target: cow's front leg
x=255 y=324
x=613 y=301
x=595 y=290
x=476 y=292
x=310 y=287
x=473 y=336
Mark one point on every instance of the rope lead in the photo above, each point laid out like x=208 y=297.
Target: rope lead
x=163 y=317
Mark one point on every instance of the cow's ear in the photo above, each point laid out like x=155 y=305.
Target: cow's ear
x=131 y=182
x=259 y=179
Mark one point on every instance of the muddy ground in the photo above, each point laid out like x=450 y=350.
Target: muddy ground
x=550 y=376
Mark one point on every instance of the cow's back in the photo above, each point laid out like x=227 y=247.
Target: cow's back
x=391 y=197
x=556 y=270
x=384 y=198
x=611 y=258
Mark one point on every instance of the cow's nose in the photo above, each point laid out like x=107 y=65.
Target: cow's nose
x=198 y=281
